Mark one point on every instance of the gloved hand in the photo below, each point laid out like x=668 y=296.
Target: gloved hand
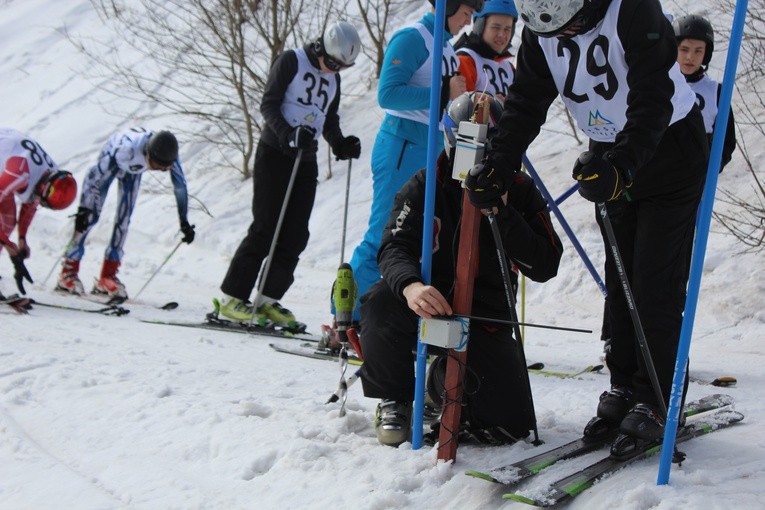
x=347 y=148
x=82 y=219
x=485 y=186
x=23 y=248
x=600 y=179
x=20 y=272
x=188 y=232
x=301 y=137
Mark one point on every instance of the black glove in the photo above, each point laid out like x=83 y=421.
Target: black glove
x=24 y=251
x=20 y=272
x=188 y=232
x=485 y=186
x=82 y=220
x=600 y=179
x=503 y=162
x=347 y=148
x=301 y=137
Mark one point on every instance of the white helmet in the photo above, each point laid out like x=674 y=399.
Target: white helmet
x=340 y=42
x=548 y=18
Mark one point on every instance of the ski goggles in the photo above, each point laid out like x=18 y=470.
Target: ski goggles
x=334 y=65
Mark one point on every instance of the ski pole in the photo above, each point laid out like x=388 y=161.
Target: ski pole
x=629 y=297
x=505 y=271
x=158 y=269
x=75 y=239
x=282 y=213
x=345 y=212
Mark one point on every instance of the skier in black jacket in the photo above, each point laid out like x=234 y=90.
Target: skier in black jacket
x=299 y=104
x=613 y=62
x=390 y=309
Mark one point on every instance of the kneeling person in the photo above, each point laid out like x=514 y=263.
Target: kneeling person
x=497 y=407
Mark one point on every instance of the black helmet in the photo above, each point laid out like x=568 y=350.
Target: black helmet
x=696 y=27
x=163 y=148
x=453 y=5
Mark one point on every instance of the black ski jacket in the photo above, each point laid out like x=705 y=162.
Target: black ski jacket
x=529 y=239
x=276 y=128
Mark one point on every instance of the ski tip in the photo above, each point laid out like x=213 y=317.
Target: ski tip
x=597 y=368
x=724 y=382
x=536 y=366
x=481 y=475
x=172 y=305
x=520 y=499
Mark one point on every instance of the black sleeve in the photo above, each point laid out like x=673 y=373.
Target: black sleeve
x=282 y=72
x=401 y=246
x=527 y=101
x=527 y=232
x=730 y=135
x=650 y=50
x=332 y=132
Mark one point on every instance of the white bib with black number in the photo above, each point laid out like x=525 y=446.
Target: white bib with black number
x=493 y=76
x=706 y=97
x=590 y=72
x=308 y=95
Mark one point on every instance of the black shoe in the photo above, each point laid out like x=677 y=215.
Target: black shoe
x=644 y=421
x=615 y=404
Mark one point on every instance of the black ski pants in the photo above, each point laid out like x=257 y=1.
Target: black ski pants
x=495 y=388
x=654 y=234
x=271 y=176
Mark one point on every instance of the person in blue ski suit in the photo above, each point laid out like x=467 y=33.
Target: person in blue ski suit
x=401 y=145
x=125 y=157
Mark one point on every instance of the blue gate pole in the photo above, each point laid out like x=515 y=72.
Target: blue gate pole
x=700 y=244
x=552 y=204
x=427 y=227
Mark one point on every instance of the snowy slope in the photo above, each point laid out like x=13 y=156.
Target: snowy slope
x=104 y=412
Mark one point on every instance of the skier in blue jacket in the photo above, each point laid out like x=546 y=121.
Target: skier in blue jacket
x=401 y=145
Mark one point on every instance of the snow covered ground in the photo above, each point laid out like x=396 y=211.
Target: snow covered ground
x=110 y=412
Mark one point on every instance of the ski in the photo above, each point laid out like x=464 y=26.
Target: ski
x=311 y=350
x=516 y=472
x=217 y=324
x=19 y=304
x=565 y=375
x=114 y=310
x=574 y=484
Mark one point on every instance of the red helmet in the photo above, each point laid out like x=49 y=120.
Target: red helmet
x=58 y=190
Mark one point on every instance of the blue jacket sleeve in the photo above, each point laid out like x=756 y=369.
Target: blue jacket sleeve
x=405 y=54
x=180 y=190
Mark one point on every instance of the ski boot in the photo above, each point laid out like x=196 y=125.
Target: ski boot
x=69 y=281
x=393 y=422
x=642 y=428
x=238 y=311
x=108 y=284
x=281 y=317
